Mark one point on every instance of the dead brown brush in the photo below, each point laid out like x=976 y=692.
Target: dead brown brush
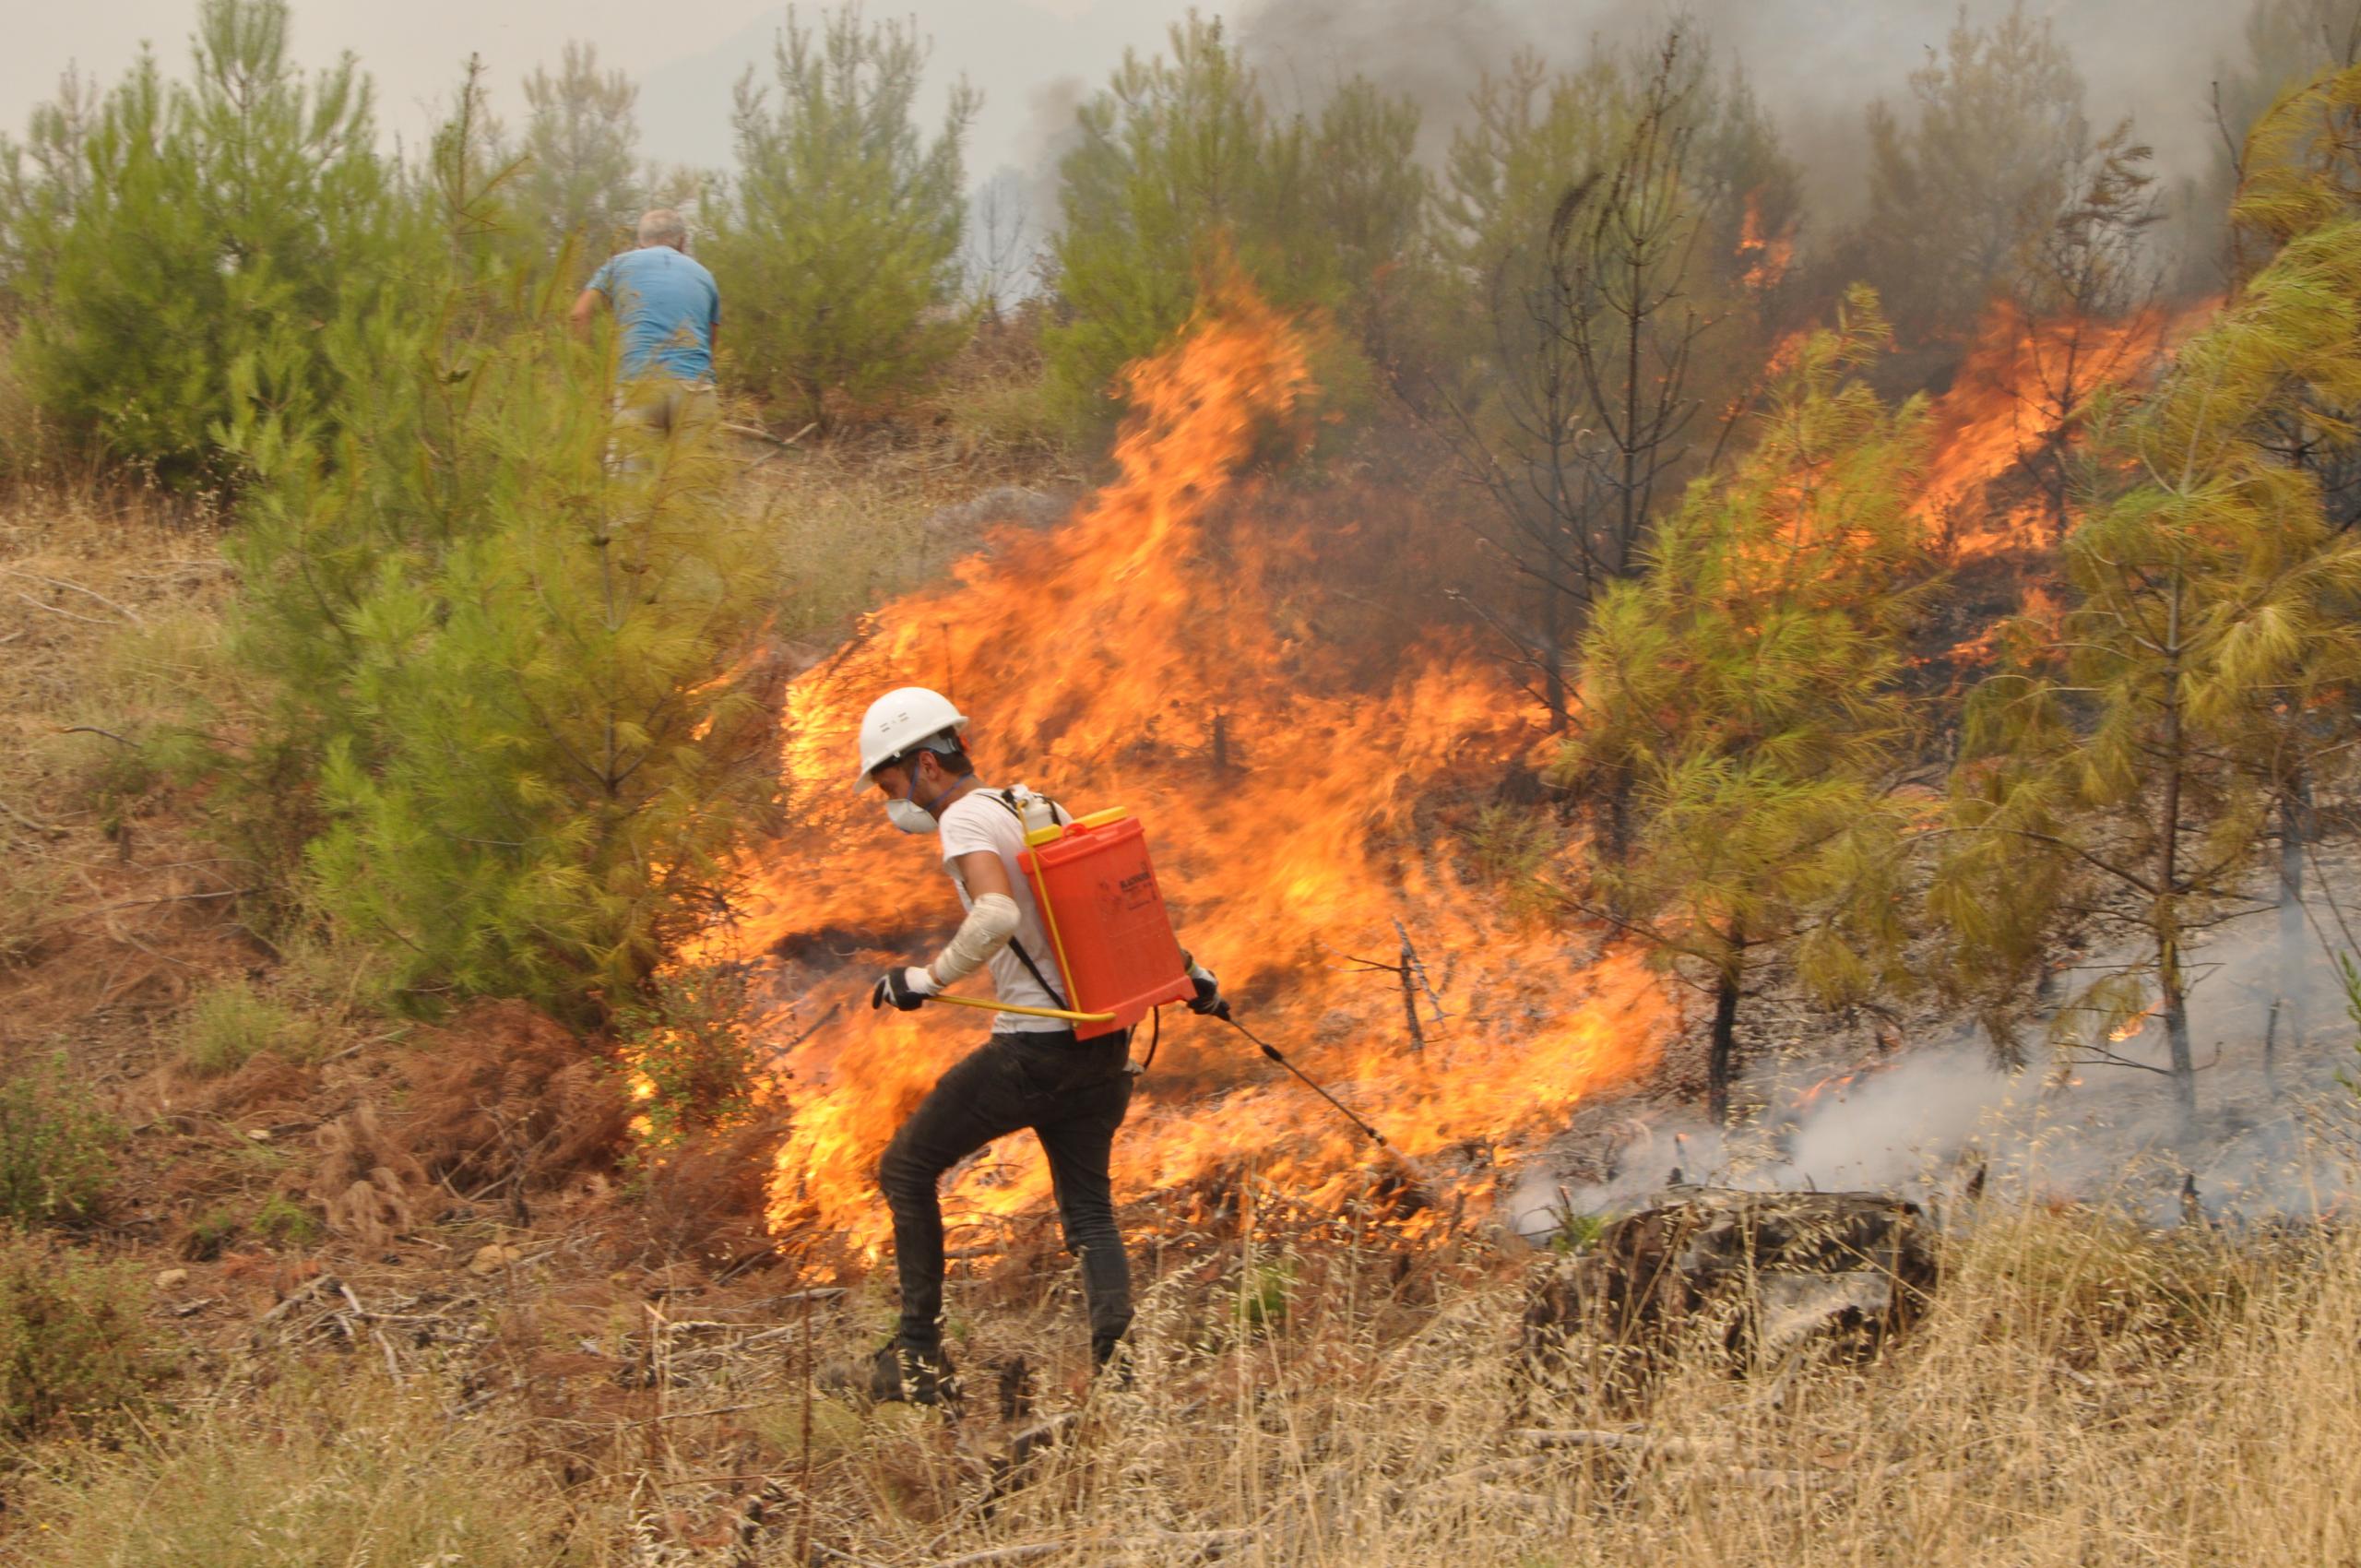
x=369 y=1187
x=503 y=1097
x=702 y=1200
x=266 y=1088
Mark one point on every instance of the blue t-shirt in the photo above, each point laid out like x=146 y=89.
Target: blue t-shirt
x=667 y=307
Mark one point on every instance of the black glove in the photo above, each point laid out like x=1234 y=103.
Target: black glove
x=1209 y=1003
x=905 y=989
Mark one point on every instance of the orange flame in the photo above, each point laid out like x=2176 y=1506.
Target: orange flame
x=2004 y=402
x=1094 y=660
x=1767 y=258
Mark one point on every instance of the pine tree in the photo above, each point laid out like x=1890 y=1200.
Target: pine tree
x=1959 y=190
x=1184 y=174
x=1747 y=686
x=210 y=216
x=841 y=234
x=512 y=735
x=580 y=185
x=2126 y=770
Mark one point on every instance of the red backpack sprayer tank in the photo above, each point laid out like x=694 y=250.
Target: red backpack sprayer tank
x=1098 y=894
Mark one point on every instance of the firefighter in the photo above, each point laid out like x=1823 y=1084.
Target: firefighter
x=1033 y=1072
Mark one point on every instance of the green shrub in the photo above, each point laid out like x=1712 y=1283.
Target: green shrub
x=1573 y=1230
x=54 y=1149
x=228 y=1024
x=171 y=229
x=212 y=1231
x=1266 y=1293
x=283 y=1222
x=73 y=1336
x=26 y=441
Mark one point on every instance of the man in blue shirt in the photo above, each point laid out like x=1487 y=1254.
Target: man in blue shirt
x=667 y=312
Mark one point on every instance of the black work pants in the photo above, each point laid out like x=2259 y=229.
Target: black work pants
x=1074 y=1096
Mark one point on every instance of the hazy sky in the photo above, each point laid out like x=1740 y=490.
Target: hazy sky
x=414 y=49
x=1816 y=62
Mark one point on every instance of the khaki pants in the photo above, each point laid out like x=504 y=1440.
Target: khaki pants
x=650 y=412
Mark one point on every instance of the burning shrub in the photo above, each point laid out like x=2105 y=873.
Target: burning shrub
x=689 y=1055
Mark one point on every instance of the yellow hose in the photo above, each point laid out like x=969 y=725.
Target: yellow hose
x=1030 y=1012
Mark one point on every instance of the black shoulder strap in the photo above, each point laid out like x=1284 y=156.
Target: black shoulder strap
x=1013 y=944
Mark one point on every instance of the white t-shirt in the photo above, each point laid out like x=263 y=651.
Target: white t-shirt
x=978 y=821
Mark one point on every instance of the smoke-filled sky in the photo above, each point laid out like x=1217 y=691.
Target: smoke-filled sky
x=1816 y=62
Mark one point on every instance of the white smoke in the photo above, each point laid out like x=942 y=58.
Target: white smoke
x=2274 y=1139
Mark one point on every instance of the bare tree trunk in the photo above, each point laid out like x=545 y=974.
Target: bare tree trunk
x=1721 y=1061
x=1553 y=658
x=2164 y=918
x=2175 y=1004
x=2294 y=823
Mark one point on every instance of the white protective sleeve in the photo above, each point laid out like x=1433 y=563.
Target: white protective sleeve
x=985 y=932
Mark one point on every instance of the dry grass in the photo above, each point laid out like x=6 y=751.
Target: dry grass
x=311 y=1472
x=852 y=514
x=109 y=629
x=2081 y=1393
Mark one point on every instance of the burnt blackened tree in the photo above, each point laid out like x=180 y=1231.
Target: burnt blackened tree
x=1593 y=305
x=2083 y=286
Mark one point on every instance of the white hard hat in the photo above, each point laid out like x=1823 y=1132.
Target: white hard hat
x=899 y=721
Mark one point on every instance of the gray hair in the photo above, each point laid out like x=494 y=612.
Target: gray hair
x=662 y=226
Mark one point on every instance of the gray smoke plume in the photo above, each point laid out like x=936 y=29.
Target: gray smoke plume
x=1816 y=65
x=2275 y=1138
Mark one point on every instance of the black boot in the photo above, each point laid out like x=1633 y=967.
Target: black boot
x=919 y=1374
x=1111 y=1357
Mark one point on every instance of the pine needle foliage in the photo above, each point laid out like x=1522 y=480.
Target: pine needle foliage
x=2302 y=161
x=1745 y=692
x=2124 y=768
x=840 y=236
x=580 y=192
x=514 y=737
